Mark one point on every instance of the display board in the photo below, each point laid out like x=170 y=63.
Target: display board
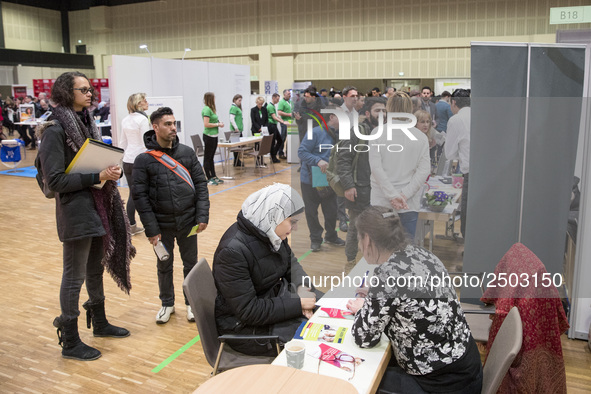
x=176 y=104
x=178 y=78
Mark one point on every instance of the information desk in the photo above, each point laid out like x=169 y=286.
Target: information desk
x=229 y=145
x=259 y=379
x=427 y=218
x=369 y=373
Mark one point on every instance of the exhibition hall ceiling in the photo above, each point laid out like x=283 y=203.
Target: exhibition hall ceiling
x=73 y=5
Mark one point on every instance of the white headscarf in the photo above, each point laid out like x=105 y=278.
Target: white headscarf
x=270 y=206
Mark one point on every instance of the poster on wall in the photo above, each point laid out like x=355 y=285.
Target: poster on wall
x=271 y=87
x=451 y=84
x=26 y=112
x=19 y=91
x=176 y=104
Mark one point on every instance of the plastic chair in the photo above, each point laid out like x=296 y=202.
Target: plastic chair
x=201 y=292
x=503 y=351
x=198 y=145
x=264 y=149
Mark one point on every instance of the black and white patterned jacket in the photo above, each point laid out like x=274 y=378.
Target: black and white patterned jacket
x=425 y=324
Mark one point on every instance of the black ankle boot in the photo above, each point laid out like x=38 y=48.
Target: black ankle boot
x=95 y=314
x=72 y=346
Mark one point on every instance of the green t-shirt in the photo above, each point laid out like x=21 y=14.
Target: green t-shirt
x=213 y=118
x=270 y=111
x=284 y=106
x=237 y=112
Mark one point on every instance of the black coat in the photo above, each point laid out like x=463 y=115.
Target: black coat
x=257 y=121
x=245 y=270
x=76 y=215
x=164 y=200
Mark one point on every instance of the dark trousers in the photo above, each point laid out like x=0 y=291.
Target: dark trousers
x=81 y=261
x=211 y=144
x=277 y=141
x=355 y=208
x=188 y=250
x=464 y=206
x=237 y=161
x=328 y=202
x=341 y=211
x=128 y=171
x=283 y=134
x=22 y=130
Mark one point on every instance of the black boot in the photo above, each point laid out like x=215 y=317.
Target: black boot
x=72 y=346
x=95 y=313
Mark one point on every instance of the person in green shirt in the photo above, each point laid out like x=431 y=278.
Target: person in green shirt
x=284 y=110
x=274 y=119
x=236 y=124
x=210 y=137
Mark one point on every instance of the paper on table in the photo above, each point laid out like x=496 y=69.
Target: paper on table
x=329 y=302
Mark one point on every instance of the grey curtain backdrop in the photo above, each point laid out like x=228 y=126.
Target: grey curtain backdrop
x=526 y=108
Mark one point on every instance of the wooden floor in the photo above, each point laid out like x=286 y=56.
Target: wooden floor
x=151 y=359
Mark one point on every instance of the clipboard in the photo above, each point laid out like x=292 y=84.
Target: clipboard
x=93 y=157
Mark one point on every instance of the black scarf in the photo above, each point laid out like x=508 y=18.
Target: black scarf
x=117 y=248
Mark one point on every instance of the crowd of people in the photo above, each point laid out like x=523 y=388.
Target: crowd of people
x=369 y=175
x=12 y=113
x=257 y=275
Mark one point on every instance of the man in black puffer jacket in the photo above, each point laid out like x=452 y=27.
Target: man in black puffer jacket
x=169 y=204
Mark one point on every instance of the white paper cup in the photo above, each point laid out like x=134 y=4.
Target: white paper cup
x=295 y=352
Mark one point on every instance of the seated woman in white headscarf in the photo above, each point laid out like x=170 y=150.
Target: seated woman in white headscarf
x=258 y=278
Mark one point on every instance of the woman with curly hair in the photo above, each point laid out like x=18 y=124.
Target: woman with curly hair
x=91 y=222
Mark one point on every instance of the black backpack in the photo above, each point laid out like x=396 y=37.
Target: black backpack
x=41 y=179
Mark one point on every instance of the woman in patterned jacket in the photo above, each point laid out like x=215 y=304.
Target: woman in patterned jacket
x=433 y=348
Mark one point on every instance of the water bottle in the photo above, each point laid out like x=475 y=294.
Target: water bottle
x=161 y=251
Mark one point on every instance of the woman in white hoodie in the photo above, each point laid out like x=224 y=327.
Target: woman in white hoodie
x=133 y=127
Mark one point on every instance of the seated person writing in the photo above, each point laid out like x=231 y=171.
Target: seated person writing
x=431 y=342
x=259 y=280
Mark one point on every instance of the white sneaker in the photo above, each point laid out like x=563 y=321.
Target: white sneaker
x=135 y=229
x=190 y=316
x=163 y=315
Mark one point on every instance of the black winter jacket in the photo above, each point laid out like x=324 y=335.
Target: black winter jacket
x=162 y=199
x=76 y=215
x=245 y=270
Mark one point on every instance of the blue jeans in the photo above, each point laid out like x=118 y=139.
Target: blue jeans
x=409 y=222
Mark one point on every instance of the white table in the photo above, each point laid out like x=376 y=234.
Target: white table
x=229 y=145
x=369 y=373
x=428 y=218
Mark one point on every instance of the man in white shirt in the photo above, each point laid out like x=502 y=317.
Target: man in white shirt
x=457 y=143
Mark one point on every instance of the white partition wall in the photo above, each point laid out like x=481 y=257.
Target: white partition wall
x=188 y=79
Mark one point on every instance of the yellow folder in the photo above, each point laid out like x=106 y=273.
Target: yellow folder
x=93 y=157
